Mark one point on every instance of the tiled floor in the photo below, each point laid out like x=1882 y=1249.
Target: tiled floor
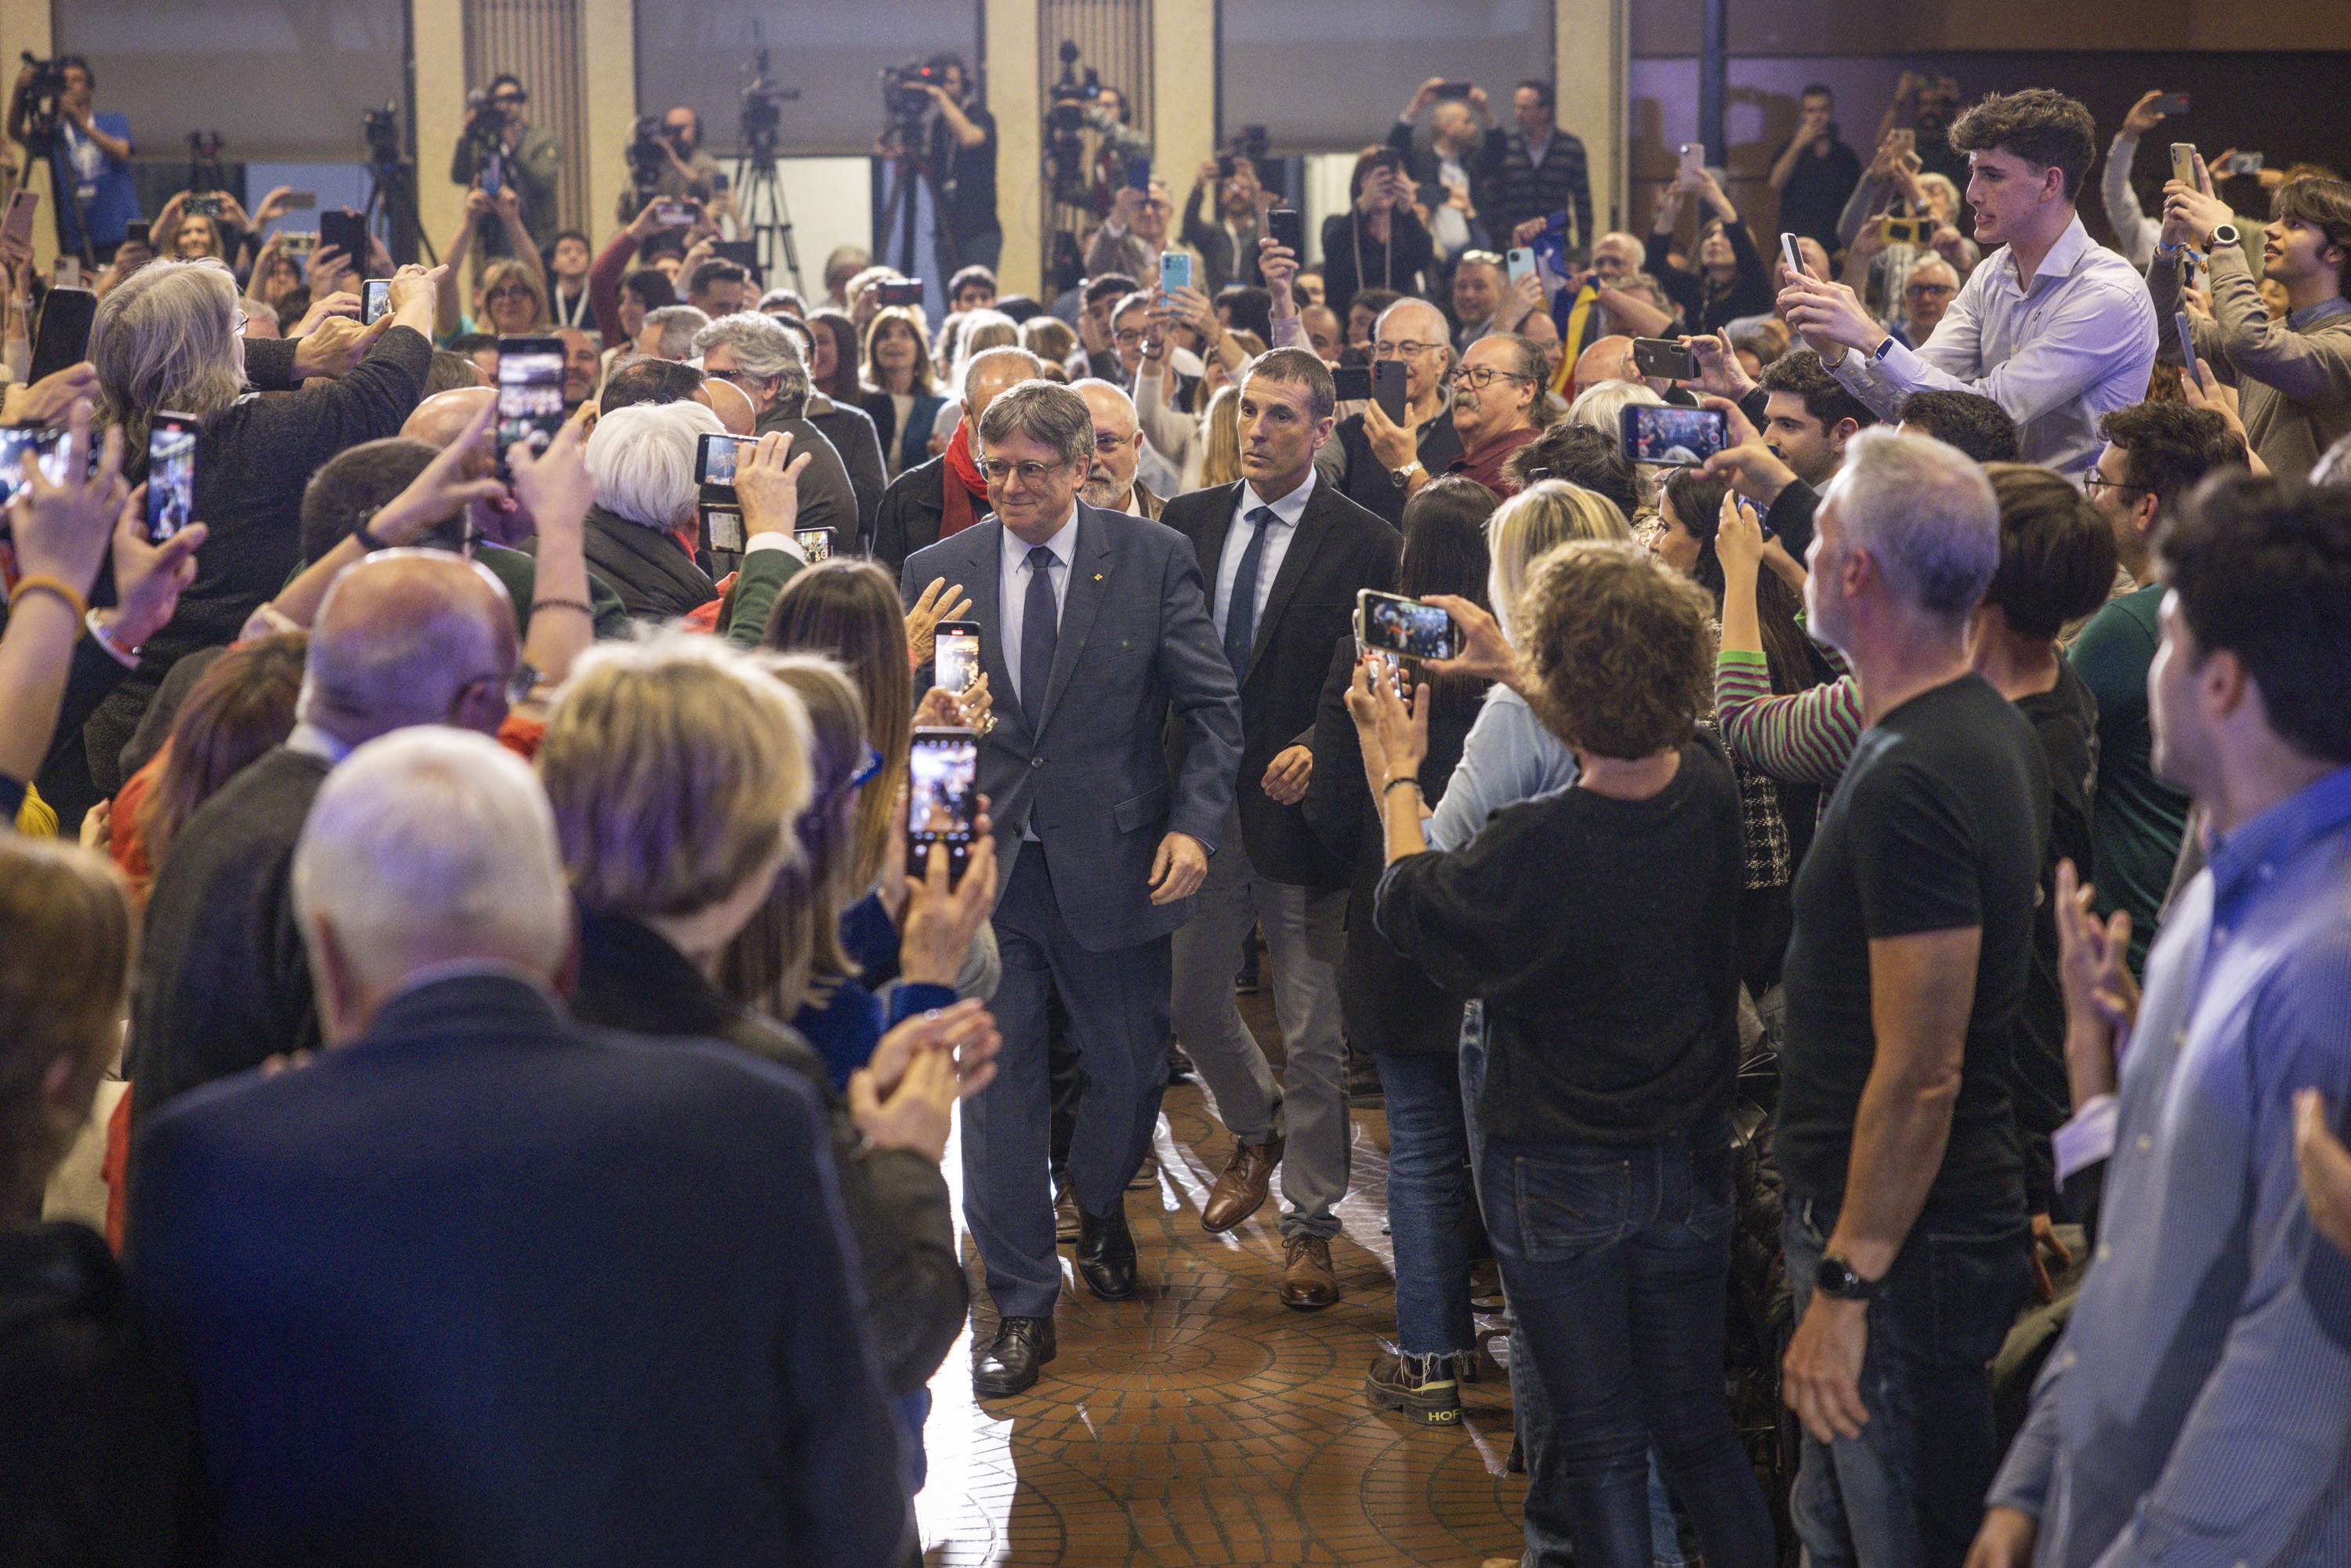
x=1204 y=1423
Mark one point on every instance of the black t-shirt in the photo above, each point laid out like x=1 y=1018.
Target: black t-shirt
x=2065 y=719
x=967 y=175
x=1817 y=189
x=1938 y=822
x=1611 y=990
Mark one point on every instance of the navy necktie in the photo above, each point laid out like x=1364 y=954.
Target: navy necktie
x=1240 y=610
x=1039 y=630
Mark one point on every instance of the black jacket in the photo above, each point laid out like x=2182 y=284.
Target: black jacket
x=1422 y=163
x=851 y=431
x=1517 y=189
x=98 y=1456
x=828 y=500
x=1367 y=483
x=653 y=576
x=911 y=508
x=1387 y=1002
x=1352 y=259
x=916 y=1295
x=1339 y=550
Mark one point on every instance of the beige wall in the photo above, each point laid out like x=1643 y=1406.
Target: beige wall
x=1850 y=28
x=1589 y=40
x=438 y=27
x=25 y=24
x=1014 y=91
x=608 y=59
x=1184 y=130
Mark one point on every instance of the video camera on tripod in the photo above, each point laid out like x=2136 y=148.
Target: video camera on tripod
x=906 y=96
x=763 y=112
x=41 y=96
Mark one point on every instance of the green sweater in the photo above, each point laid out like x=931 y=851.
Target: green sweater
x=2136 y=819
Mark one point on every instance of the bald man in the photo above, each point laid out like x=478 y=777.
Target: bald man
x=406 y=637
x=1376 y=463
x=915 y=509
x=1118 y=448
x=1608 y=360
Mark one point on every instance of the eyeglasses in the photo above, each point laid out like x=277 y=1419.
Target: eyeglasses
x=2095 y=481
x=1132 y=335
x=1480 y=377
x=1000 y=473
x=866 y=770
x=508 y=291
x=243 y=320
x=1407 y=349
x=1929 y=290
x=1109 y=441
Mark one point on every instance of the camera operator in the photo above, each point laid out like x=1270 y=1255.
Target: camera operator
x=686 y=169
x=530 y=160
x=959 y=152
x=89 y=155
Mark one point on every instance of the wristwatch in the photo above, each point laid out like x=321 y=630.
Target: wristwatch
x=1836 y=1278
x=1402 y=476
x=2225 y=234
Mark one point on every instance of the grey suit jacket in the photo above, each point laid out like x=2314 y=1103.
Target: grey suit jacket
x=1135 y=644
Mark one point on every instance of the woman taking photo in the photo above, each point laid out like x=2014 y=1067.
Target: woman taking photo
x=1598 y=924
x=1731 y=280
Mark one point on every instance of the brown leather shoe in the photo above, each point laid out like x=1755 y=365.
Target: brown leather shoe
x=1307 y=1280
x=1240 y=1190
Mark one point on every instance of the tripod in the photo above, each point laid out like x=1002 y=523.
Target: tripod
x=764 y=217
x=898 y=216
x=392 y=196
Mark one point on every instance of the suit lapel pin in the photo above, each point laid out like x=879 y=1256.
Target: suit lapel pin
x=1098 y=576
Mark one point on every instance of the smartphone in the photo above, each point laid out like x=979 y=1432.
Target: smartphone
x=743 y=253
x=722 y=530
x=1387 y=388
x=1351 y=383
x=1791 y=256
x=1521 y=263
x=1225 y=166
x=493 y=175
x=671 y=214
x=815 y=543
x=1665 y=359
x=47 y=446
x=1905 y=231
x=1175 y=270
x=375 y=298
x=18 y=224
x=908 y=292
x=297 y=243
x=2186 y=345
x=2242 y=163
x=1138 y=174
x=1676 y=437
x=135 y=234
x=1287 y=227
x=1450 y=89
x=955 y=659
x=1693 y=159
x=941 y=798
x=1391 y=624
x=170 y=475
x=2171 y=104
x=203 y=204
x=346 y=231
x=66 y=273
x=1432 y=196
x=301 y=201
x=715 y=457
x=2183 y=163
x=530 y=394
x=62 y=338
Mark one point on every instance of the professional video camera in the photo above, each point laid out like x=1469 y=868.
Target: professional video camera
x=41 y=95
x=647 y=151
x=382 y=129
x=907 y=95
x=1076 y=104
x=763 y=114
x=486 y=123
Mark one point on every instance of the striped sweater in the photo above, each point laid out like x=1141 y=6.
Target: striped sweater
x=1806 y=738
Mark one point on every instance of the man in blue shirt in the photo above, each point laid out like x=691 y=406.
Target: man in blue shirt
x=89 y=160
x=2193 y=1413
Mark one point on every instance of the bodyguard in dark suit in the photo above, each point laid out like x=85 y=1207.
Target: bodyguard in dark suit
x=1094 y=627
x=1285 y=555
x=479 y=1286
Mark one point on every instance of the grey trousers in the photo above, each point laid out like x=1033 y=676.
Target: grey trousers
x=1305 y=931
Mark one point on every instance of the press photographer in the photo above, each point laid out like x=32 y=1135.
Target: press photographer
x=666 y=158
x=957 y=142
x=89 y=155
x=500 y=148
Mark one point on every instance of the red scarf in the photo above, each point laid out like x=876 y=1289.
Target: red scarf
x=965 y=491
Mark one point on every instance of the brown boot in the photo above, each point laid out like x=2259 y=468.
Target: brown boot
x=1307 y=1280
x=1240 y=1190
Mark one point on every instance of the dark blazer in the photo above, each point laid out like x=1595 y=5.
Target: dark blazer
x=656 y=578
x=222 y=981
x=851 y=433
x=1340 y=548
x=1135 y=646
x=828 y=500
x=896 y=1200
x=911 y=507
x=485 y=1287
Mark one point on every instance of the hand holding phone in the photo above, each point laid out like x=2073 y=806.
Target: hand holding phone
x=1403 y=627
x=1288 y=228
x=1665 y=359
x=1673 y=437
x=170 y=475
x=530 y=395
x=1792 y=257
x=955 y=656
x=375 y=298
x=941 y=797
x=2180 y=324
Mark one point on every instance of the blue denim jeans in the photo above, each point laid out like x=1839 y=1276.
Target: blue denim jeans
x=1428 y=1198
x=1908 y=1492
x=1616 y=1260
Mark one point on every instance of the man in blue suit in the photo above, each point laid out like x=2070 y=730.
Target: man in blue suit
x=479 y=1286
x=1096 y=623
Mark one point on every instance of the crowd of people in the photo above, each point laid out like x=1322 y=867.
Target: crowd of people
x=523 y=1045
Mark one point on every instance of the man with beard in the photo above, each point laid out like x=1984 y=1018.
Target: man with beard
x=1111 y=484
x=1495 y=400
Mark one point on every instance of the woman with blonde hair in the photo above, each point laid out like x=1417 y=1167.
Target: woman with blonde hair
x=678 y=770
x=1219 y=452
x=511 y=301
x=99 y=1458
x=167 y=338
x=897 y=389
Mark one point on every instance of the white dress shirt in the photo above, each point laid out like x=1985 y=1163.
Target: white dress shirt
x=2058 y=356
x=1012 y=588
x=1279 y=533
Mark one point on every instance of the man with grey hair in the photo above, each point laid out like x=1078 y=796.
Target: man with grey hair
x=1497 y=407
x=1913 y=934
x=1110 y=483
x=756 y=356
x=1371 y=459
x=668 y=332
x=583 y=1181
x=848 y=427
x=940 y=499
x=405 y=637
x=1094 y=634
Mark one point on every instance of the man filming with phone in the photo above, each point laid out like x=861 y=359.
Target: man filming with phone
x=1376 y=461
x=88 y=156
x=499 y=149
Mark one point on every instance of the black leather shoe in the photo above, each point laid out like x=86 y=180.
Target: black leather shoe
x=1105 y=1255
x=1009 y=1364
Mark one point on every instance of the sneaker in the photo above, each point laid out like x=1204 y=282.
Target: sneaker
x=1422 y=1386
